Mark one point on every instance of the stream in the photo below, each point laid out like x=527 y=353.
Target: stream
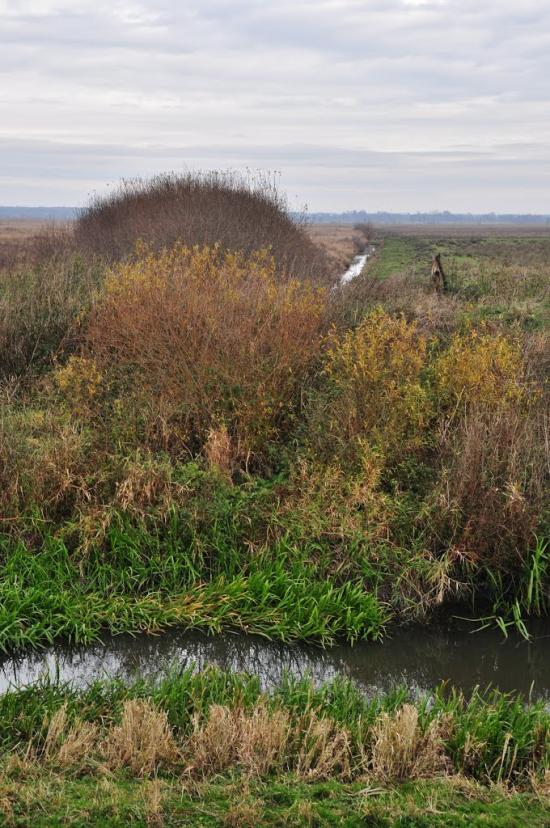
x=357 y=265
x=417 y=657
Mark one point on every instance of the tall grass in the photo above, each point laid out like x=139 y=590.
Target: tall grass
x=47 y=595
x=41 y=301
x=213 y=721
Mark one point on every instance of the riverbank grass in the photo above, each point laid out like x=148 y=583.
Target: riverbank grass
x=211 y=749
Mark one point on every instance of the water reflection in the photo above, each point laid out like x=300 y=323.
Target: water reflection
x=417 y=657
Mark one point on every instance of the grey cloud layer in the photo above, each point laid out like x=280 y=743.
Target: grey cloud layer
x=390 y=105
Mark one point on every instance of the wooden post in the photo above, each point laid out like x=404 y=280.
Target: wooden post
x=439 y=283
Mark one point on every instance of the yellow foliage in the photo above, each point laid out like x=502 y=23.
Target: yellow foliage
x=375 y=372
x=80 y=382
x=480 y=368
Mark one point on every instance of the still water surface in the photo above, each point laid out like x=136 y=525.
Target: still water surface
x=418 y=657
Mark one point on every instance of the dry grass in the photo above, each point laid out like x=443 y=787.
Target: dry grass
x=341 y=241
x=68 y=745
x=220 y=452
x=492 y=487
x=324 y=749
x=254 y=740
x=401 y=750
x=143 y=742
x=43 y=300
x=261 y=741
x=153 y=795
x=244 y=815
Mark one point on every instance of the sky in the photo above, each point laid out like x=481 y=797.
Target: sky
x=398 y=105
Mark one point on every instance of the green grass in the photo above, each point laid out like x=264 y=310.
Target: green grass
x=400 y=254
x=116 y=802
x=46 y=595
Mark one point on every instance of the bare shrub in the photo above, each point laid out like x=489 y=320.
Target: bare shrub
x=401 y=750
x=200 y=209
x=142 y=742
x=195 y=337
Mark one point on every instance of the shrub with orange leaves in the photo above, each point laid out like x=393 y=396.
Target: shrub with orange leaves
x=206 y=339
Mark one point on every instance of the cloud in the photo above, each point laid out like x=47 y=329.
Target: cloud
x=392 y=90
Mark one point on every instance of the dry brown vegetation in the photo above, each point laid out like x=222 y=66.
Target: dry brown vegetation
x=340 y=241
x=239 y=214
x=258 y=741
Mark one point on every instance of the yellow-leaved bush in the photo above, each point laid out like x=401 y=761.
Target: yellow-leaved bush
x=80 y=382
x=480 y=368
x=200 y=339
x=375 y=390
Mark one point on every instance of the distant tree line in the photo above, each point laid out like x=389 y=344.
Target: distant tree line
x=438 y=217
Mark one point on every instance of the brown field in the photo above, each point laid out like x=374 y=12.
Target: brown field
x=20 y=229
x=17 y=236
x=341 y=242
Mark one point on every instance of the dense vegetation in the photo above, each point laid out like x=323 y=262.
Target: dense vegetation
x=212 y=748
x=196 y=431
x=200 y=427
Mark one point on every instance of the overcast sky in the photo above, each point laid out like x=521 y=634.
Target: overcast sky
x=376 y=104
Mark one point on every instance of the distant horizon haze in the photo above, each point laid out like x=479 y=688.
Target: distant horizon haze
x=68 y=213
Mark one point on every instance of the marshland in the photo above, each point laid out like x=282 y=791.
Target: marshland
x=204 y=428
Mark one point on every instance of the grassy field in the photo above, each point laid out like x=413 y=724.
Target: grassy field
x=45 y=799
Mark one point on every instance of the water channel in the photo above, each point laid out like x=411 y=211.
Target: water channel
x=418 y=657
x=356 y=267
